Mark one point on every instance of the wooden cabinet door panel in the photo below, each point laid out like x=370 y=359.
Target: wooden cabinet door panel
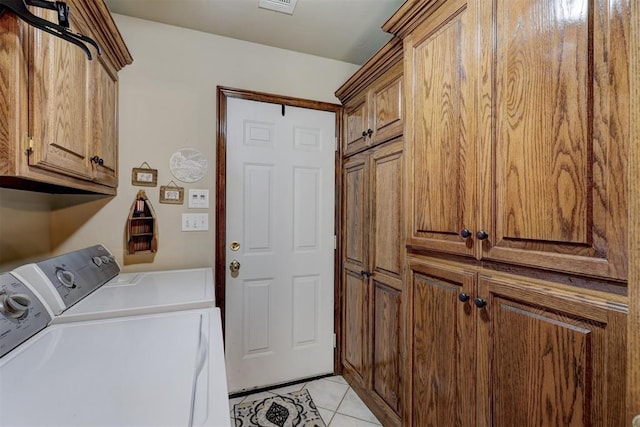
x=356 y=202
x=105 y=124
x=355 y=328
x=442 y=345
x=548 y=358
x=557 y=195
x=387 y=210
x=59 y=77
x=386 y=106
x=441 y=148
x=356 y=121
x=386 y=347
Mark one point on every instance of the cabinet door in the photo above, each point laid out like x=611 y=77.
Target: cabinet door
x=386 y=106
x=386 y=249
x=105 y=125
x=556 y=123
x=355 y=263
x=59 y=77
x=441 y=147
x=356 y=124
x=549 y=357
x=441 y=345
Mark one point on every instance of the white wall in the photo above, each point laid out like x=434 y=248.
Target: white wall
x=168 y=101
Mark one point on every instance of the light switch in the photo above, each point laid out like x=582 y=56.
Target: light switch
x=198 y=199
x=195 y=222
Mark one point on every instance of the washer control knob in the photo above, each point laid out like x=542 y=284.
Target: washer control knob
x=97 y=260
x=15 y=305
x=105 y=259
x=66 y=278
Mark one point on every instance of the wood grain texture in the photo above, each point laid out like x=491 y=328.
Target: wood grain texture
x=387 y=209
x=355 y=328
x=633 y=327
x=386 y=324
x=104 y=125
x=547 y=358
x=441 y=163
x=355 y=211
x=356 y=119
x=442 y=371
x=386 y=99
x=555 y=120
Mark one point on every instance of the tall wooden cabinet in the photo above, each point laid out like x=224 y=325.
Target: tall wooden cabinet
x=373 y=236
x=61 y=126
x=373 y=277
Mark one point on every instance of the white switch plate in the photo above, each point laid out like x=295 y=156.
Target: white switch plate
x=198 y=199
x=195 y=222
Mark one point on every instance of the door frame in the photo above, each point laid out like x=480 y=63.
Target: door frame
x=222 y=94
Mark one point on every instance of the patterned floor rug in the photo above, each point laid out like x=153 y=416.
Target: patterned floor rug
x=289 y=410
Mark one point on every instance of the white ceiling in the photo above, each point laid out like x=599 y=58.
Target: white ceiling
x=345 y=30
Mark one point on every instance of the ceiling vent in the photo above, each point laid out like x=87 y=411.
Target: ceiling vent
x=284 y=6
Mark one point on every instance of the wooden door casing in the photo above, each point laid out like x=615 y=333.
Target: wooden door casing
x=441 y=171
x=560 y=352
x=555 y=120
x=441 y=346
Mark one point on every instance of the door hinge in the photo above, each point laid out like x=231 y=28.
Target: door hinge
x=29 y=144
x=335 y=144
x=335 y=242
x=335 y=341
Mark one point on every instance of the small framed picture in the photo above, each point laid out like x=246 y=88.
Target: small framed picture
x=172 y=194
x=144 y=176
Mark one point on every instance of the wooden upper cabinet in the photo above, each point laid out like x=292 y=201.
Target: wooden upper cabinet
x=555 y=123
x=60 y=132
x=523 y=143
x=373 y=101
x=59 y=104
x=441 y=166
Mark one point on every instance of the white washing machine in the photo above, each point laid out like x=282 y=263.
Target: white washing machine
x=143 y=349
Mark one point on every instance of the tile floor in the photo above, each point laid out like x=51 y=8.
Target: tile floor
x=338 y=404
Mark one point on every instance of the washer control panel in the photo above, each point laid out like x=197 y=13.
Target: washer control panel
x=22 y=314
x=76 y=274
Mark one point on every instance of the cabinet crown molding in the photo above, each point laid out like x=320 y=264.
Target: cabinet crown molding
x=410 y=15
x=106 y=34
x=378 y=64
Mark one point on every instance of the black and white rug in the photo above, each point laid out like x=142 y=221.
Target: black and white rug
x=288 y=410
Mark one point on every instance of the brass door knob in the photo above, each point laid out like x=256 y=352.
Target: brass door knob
x=234 y=266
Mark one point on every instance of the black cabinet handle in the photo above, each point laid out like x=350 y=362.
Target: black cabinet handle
x=481 y=235
x=98 y=160
x=463 y=297
x=465 y=233
x=365 y=273
x=369 y=132
x=480 y=302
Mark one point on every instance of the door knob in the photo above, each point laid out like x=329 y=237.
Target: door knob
x=481 y=235
x=234 y=266
x=480 y=302
x=465 y=233
x=463 y=297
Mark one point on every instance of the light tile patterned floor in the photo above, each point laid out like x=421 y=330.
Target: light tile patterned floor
x=338 y=404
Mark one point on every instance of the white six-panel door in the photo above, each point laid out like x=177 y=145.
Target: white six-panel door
x=280 y=209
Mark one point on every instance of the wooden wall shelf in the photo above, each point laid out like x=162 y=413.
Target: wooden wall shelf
x=142 y=226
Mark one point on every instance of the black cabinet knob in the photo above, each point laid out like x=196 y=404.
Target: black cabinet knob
x=369 y=132
x=97 y=160
x=463 y=297
x=480 y=302
x=481 y=235
x=465 y=233
x=364 y=133
x=365 y=273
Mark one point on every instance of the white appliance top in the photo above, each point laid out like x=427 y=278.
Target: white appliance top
x=127 y=371
x=149 y=292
